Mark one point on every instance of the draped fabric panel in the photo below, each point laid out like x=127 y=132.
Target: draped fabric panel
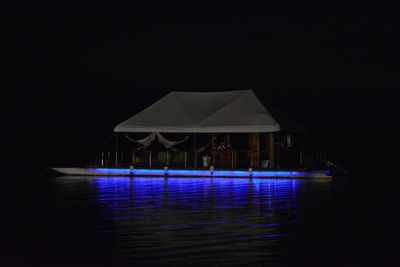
x=147 y=141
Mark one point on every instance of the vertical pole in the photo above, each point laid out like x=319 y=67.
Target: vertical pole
x=150 y=159
x=116 y=149
x=254 y=149
x=133 y=157
x=102 y=158
x=167 y=157
x=213 y=148
x=271 y=148
x=214 y=157
x=258 y=150
x=185 y=158
x=232 y=159
x=279 y=151
x=251 y=158
x=194 y=149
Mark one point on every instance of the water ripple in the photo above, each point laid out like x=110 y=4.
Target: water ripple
x=216 y=221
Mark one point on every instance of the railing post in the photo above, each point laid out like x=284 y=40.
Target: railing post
x=251 y=158
x=214 y=157
x=133 y=157
x=167 y=157
x=258 y=151
x=116 y=149
x=102 y=158
x=185 y=158
x=194 y=149
x=232 y=159
x=150 y=159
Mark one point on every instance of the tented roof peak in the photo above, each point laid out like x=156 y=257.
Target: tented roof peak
x=203 y=112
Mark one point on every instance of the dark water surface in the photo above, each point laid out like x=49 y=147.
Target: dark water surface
x=196 y=221
x=190 y=220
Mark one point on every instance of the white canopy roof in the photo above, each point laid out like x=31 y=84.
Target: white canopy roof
x=194 y=112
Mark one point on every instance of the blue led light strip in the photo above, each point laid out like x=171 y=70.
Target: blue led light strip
x=199 y=173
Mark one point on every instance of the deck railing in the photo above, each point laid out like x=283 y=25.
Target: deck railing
x=222 y=159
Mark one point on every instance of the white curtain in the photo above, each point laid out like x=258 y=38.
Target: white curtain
x=147 y=141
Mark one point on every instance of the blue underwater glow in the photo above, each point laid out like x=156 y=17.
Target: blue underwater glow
x=164 y=218
x=140 y=197
x=200 y=173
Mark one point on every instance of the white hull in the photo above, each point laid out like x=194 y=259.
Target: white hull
x=192 y=173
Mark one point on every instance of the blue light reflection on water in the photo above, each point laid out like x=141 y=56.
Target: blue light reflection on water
x=139 y=192
x=155 y=220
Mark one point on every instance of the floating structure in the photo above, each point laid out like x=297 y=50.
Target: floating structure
x=97 y=171
x=232 y=134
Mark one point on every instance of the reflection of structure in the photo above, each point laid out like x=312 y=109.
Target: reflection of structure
x=184 y=218
x=196 y=214
x=116 y=194
x=219 y=122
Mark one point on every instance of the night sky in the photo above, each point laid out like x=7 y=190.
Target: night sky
x=74 y=72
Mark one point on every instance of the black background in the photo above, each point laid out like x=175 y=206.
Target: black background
x=73 y=71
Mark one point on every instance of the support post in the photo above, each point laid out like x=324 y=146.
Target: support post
x=167 y=158
x=255 y=149
x=213 y=147
x=214 y=157
x=185 y=158
x=232 y=159
x=271 y=149
x=279 y=152
x=251 y=158
x=194 y=149
x=150 y=159
x=258 y=150
x=116 y=149
x=133 y=157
